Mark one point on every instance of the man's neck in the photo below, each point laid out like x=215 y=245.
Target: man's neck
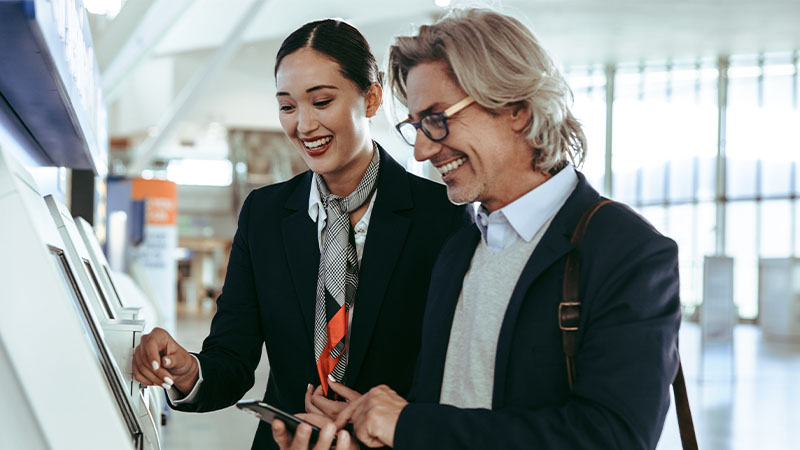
x=516 y=188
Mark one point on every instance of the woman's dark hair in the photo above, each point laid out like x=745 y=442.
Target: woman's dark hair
x=341 y=42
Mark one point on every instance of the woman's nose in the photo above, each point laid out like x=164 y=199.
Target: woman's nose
x=306 y=121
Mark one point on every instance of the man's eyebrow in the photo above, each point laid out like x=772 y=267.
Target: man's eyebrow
x=309 y=90
x=430 y=109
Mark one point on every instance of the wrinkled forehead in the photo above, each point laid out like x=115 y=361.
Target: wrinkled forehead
x=430 y=88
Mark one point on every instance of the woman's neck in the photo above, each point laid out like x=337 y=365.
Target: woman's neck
x=343 y=183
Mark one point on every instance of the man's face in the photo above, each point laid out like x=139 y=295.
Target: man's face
x=483 y=158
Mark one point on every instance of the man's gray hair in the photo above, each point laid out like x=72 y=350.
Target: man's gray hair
x=497 y=60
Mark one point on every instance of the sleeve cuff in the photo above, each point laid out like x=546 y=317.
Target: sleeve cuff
x=174 y=396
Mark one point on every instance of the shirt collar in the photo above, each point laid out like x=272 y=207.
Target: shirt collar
x=315 y=208
x=527 y=214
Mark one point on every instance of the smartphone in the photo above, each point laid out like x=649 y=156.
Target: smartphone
x=268 y=413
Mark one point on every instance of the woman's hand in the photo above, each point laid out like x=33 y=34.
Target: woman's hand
x=159 y=360
x=316 y=402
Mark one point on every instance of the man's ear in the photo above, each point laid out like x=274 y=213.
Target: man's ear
x=373 y=99
x=519 y=115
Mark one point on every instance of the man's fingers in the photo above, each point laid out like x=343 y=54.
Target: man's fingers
x=344 y=391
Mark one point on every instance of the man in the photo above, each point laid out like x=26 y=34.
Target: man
x=488 y=108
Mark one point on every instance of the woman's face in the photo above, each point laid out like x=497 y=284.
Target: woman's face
x=325 y=114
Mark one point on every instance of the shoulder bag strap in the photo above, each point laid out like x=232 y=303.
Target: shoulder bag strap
x=569 y=317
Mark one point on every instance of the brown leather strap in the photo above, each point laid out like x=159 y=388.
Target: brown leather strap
x=569 y=317
x=685 y=423
x=569 y=311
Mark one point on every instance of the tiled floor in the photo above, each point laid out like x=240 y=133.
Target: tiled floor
x=758 y=407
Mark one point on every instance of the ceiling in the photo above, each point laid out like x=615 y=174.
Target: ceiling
x=575 y=31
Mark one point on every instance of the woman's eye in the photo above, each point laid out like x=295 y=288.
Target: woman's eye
x=322 y=103
x=286 y=108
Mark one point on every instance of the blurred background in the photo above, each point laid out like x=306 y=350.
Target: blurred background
x=690 y=108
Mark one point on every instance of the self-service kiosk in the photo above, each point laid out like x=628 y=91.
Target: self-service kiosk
x=120 y=335
x=62 y=389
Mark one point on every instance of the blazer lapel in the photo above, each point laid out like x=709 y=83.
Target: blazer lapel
x=386 y=237
x=554 y=245
x=302 y=250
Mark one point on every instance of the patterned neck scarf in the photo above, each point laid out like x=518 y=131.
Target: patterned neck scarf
x=338 y=274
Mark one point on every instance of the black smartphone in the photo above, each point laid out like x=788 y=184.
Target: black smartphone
x=268 y=413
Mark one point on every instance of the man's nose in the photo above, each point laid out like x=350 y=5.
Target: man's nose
x=424 y=147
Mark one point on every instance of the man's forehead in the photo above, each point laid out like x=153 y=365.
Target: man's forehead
x=430 y=89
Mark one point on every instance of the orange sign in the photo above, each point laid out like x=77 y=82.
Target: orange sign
x=161 y=200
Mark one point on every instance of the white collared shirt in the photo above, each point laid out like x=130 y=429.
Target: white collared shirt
x=523 y=217
x=317 y=214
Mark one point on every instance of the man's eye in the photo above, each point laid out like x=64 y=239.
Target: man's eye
x=286 y=108
x=322 y=103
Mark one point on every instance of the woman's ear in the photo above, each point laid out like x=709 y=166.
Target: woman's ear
x=373 y=99
x=519 y=115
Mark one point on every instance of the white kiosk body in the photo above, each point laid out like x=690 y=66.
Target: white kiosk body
x=59 y=394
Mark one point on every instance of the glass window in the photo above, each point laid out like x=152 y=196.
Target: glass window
x=743 y=146
x=741 y=245
x=776 y=228
x=692 y=132
x=657 y=217
x=796 y=216
x=682 y=179
x=653 y=184
x=588 y=85
x=778 y=124
x=706 y=177
x=631 y=142
x=681 y=228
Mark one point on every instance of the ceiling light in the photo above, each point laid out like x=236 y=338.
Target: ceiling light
x=442 y=3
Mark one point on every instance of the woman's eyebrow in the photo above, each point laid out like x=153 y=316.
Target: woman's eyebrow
x=309 y=90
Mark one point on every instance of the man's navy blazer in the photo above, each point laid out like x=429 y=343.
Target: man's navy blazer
x=628 y=354
x=268 y=297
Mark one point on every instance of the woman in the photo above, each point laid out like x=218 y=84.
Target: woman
x=330 y=269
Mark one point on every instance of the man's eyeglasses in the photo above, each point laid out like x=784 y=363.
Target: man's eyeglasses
x=433 y=125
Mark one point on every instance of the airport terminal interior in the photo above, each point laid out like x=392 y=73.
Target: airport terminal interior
x=131 y=132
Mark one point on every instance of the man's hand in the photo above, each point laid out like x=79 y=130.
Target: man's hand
x=317 y=403
x=300 y=441
x=374 y=415
x=160 y=361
